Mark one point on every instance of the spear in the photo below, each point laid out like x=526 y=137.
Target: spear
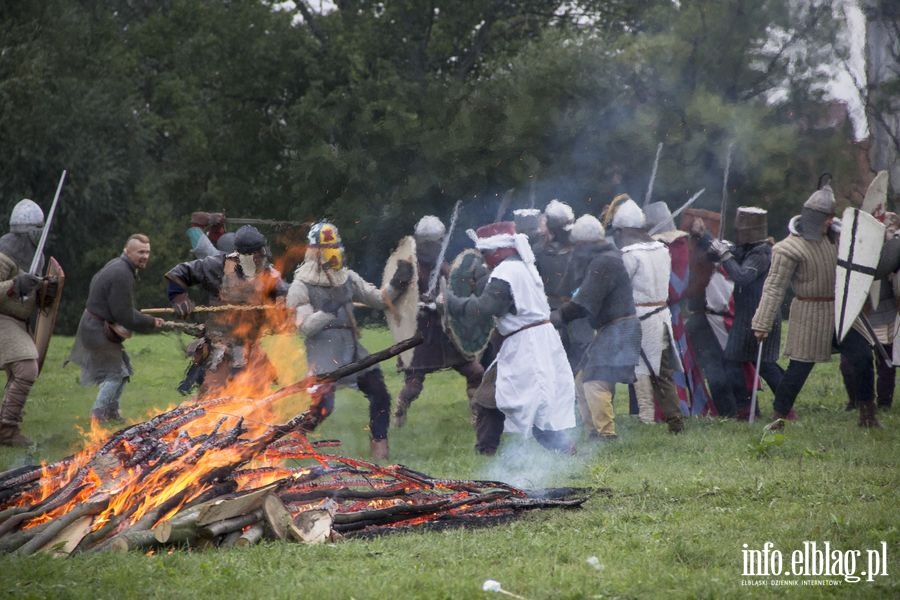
x=653 y=174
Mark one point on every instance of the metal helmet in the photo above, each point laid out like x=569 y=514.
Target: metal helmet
x=817 y=209
x=750 y=225
x=587 y=228
x=26 y=216
x=429 y=229
x=248 y=240
x=821 y=200
x=559 y=215
x=225 y=243
x=624 y=213
x=659 y=215
x=326 y=239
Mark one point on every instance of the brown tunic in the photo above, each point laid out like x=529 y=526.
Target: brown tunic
x=808 y=267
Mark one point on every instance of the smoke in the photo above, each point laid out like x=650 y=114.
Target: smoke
x=522 y=462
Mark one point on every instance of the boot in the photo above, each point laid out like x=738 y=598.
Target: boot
x=378 y=449
x=675 y=424
x=778 y=423
x=10 y=435
x=851 y=405
x=400 y=412
x=867 y=416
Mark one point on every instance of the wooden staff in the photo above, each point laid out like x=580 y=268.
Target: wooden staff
x=167 y=310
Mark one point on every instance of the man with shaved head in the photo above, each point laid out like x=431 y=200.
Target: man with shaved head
x=109 y=318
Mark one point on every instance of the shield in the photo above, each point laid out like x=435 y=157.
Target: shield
x=876 y=196
x=862 y=237
x=874 y=203
x=46 y=313
x=402 y=314
x=468 y=275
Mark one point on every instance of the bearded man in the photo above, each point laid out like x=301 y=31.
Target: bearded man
x=108 y=319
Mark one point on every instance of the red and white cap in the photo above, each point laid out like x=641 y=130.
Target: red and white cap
x=502 y=234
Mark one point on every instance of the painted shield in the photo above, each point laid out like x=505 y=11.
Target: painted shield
x=401 y=315
x=468 y=275
x=862 y=237
x=46 y=316
x=874 y=203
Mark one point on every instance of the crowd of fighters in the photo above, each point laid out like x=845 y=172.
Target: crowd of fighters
x=573 y=307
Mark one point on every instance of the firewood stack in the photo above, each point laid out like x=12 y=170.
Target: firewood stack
x=205 y=474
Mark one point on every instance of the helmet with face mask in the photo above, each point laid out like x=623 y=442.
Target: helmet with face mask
x=325 y=238
x=27 y=217
x=250 y=245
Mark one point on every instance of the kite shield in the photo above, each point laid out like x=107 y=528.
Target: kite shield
x=401 y=316
x=468 y=275
x=862 y=237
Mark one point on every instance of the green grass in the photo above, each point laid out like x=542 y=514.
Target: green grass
x=681 y=509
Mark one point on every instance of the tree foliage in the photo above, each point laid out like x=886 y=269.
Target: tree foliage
x=377 y=113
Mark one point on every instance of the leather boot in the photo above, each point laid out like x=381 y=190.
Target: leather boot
x=867 y=416
x=10 y=435
x=675 y=424
x=378 y=449
x=400 y=412
x=778 y=421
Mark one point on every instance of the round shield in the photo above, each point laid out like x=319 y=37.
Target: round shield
x=46 y=314
x=468 y=276
x=401 y=315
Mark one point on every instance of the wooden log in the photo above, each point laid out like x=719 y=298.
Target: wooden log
x=69 y=538
x=277 y=516
x=233 y=507
x=13 y=541
x=230 y=539
x=168 y=532
x=60 y=523
x=252 y=536
x=131 y=540
x=315 y=526
x=213 y=530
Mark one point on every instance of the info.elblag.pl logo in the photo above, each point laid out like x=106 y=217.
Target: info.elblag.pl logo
x=814 y=559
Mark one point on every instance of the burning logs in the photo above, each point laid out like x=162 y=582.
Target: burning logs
x=212 y=473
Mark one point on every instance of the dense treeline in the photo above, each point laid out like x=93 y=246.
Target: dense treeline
x=376 y=113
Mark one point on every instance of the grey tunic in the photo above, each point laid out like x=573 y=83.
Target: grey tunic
x=562 y=271
x=110 y=298
x=324 y=303
x=605 y=295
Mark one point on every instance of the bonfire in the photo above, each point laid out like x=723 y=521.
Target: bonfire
x=211 y=472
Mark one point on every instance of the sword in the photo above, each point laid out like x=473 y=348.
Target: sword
x=752 y=416
x=681 y=209
x=36 y=261
x=653 y=175
x=435 y=273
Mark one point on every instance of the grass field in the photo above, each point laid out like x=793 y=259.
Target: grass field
x=681 y=509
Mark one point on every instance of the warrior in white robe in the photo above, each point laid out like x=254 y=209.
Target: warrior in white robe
x=535 y=388
x=649 y=266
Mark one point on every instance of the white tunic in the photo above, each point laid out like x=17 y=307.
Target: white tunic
x=535 y=385
x=649 y=266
